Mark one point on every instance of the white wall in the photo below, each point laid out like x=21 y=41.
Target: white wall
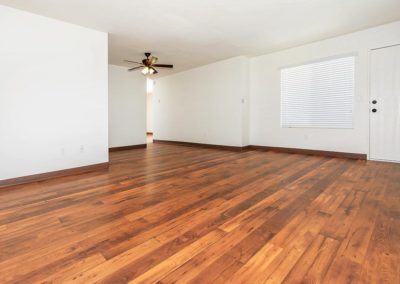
x=53 y=95
x=204 y=105
x=127 y=107
x=265 y=92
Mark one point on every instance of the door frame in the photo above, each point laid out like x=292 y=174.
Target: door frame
x=369 y=101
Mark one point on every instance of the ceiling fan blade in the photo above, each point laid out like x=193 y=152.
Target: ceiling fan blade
x=164 y=65
x=155 y=71
x=135 y=68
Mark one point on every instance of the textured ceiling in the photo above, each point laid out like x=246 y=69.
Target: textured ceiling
x=191 y=33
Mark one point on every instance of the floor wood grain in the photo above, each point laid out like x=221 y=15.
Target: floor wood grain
x=175 y=214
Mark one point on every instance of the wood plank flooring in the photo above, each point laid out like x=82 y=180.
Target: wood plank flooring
x=174 y=214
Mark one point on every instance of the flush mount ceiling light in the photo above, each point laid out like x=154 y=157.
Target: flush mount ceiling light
x=148 y=65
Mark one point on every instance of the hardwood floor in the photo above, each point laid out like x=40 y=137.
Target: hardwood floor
x=187 y=215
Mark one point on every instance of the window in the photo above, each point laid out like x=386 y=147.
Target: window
x=318 y=95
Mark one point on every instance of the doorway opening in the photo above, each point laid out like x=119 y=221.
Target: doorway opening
x=149 y=115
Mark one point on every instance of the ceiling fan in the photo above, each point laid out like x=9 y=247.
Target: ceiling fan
x=147 y=65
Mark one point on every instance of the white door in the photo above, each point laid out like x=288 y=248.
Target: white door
x=385 y=104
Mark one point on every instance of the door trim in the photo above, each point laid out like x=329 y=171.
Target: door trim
x=376 y=48
x=370 y=98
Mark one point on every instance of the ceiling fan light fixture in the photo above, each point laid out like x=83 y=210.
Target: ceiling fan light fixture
x=145 y=70
x=151 y=71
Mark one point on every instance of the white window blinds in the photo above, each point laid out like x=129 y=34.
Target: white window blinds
x=318 y=95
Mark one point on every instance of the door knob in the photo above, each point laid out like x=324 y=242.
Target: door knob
x=374 y=110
